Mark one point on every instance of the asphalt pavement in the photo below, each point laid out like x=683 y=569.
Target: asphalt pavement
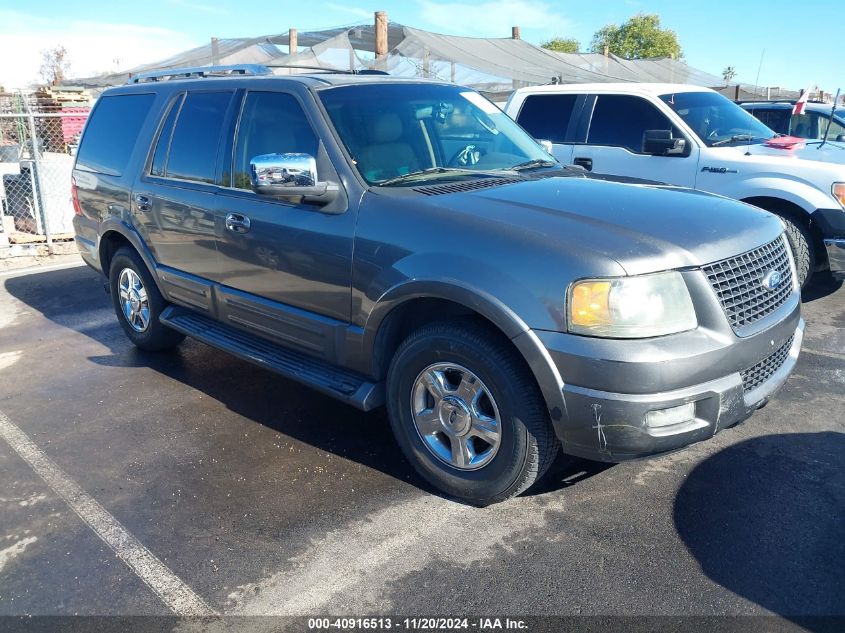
x=192 y=483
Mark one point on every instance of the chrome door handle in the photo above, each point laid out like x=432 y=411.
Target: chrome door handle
x=237 y=223
x=143 y=202
x=586 y=163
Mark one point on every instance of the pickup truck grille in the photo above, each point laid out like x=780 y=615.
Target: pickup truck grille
x=757 y=374
x=738 y=282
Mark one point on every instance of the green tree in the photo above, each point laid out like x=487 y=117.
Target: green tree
x=562 y=45
x=728 y=74
x=638 y=38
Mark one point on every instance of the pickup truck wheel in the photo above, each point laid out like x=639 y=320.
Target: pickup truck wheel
x=468 y=414
x=138 y=303
x=802 y=250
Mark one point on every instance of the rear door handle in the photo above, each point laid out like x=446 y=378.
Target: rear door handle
x=237 y=223
x=586 y=163
x=143 y=202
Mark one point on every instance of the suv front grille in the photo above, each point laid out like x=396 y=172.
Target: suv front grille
x=757 y=374
x=738 y=282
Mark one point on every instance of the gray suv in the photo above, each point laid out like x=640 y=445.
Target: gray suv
x=403 y=242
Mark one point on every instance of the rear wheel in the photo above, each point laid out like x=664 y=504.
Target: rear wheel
x=138 y=303
x=468 y=414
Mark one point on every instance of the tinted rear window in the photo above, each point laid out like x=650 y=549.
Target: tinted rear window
x=110 y=136
x=193 y=148
x=546 y=117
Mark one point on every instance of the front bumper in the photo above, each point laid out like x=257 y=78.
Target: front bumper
x=603 y=423
x=836 y=256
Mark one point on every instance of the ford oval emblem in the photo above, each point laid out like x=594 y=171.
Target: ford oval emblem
x=772 y=280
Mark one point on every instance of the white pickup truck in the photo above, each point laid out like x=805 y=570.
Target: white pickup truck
x=694 y=137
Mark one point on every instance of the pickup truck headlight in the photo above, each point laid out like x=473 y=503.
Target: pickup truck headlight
x=631 y=307
x=838 y=191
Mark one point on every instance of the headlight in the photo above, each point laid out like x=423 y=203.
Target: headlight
x=838 y=191
x=631 y=307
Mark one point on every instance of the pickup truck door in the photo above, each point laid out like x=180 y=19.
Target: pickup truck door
x=612 y=129
x=285 y=265
x=552 y=117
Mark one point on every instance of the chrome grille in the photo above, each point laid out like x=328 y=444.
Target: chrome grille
x=738 y=282
x=757 y=374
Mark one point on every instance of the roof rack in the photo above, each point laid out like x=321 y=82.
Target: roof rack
x=239 y=69
x=200 y=71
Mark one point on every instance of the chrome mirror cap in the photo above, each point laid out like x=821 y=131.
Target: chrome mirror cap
x=289 y=171
x=290 y=176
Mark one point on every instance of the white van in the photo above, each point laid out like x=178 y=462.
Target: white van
x=694 y=137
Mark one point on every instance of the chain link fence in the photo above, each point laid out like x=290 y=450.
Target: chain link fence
x=36 y=159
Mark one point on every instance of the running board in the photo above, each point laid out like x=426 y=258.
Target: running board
x=326 y=378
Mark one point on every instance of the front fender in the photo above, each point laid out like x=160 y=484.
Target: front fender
x=799 y=192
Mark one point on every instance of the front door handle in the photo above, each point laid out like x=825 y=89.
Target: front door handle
x=237 y=223
x=143 y=202
x=586 y=163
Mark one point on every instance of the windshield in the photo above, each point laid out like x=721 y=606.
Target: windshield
x=717 y=120
x=410 y=132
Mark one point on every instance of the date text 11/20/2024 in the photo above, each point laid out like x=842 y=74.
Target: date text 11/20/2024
x=417 y=624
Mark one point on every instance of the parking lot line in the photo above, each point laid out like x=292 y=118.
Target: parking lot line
x=178 y=596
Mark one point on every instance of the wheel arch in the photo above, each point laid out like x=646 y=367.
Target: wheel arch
x=797 y=214
x=113 y=235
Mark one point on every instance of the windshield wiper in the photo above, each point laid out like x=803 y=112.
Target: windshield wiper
x=536 y=162
x=736 y=138
x=414 y=175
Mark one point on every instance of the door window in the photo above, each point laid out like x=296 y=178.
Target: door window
x=621 y=121
x=805 y=125
x=777 y=119
x=546 y=117
x=271 y=123
x=193 y=148
x=163 y=143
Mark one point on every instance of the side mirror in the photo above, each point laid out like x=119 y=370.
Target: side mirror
x=841 y=138
x=661 y=143
x=546 y=145
x=289 y=176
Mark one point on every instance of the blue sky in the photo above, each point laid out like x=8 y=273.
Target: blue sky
x=801 y=44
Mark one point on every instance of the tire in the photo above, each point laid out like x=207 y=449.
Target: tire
x=527 y=444
x=802 y=250
x=146 y=333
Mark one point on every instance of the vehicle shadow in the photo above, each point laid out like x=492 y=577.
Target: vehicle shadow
x=821 y=285
x=74 y=298
x=764 y=519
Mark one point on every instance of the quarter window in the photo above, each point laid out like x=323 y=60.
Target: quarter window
x=112 y=132
x=622 y=120
x=271 y=123
x=193 y=148
x=546 y=117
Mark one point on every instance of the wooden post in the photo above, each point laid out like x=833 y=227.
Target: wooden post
x=736 y=93
x=215 y=52
x=515 y=33
x=381 y=34
x=606 y=51
x=426 y=63
x=293 y=42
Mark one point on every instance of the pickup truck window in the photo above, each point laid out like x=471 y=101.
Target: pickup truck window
x=271 y=123
x=776 y=119
x=716 y=119
x=621 y=121
x=399 y=130
x=111 y=133
x=546 y=116
x=193 y=148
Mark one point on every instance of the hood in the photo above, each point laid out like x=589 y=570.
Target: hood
x=643 y=227
x=830 y=152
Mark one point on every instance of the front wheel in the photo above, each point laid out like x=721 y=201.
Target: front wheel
x=801 y=245
x=467 y=413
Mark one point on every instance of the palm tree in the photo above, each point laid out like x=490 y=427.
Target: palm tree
x=728 y=74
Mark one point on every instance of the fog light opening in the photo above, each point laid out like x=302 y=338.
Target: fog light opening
x=669 y=417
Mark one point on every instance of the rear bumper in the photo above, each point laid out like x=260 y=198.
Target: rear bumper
x=611 y=425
